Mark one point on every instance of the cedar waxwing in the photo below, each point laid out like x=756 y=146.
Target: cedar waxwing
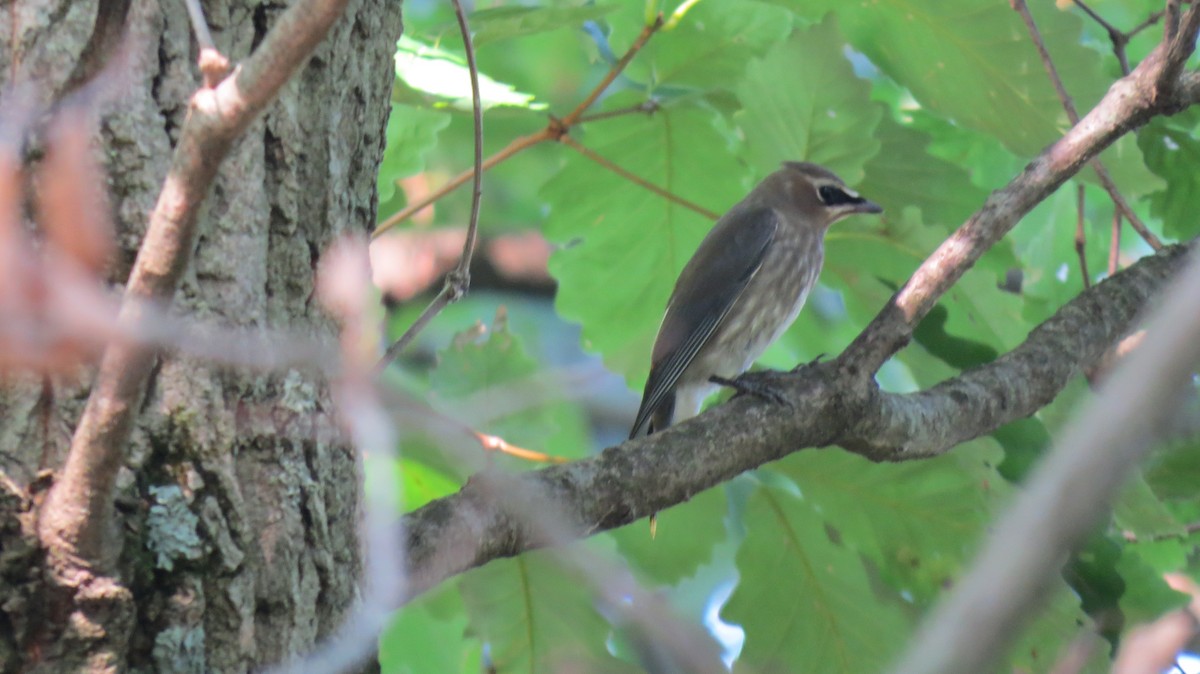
x=744 y=286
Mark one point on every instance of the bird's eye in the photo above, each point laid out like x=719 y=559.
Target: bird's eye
x=834 y=196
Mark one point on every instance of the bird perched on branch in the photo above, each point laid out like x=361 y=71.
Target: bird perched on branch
x=742 y=289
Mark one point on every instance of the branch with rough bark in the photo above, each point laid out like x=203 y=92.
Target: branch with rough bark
x=1077 y=482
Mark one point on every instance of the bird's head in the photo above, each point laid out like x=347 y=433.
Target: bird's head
x=818 y=193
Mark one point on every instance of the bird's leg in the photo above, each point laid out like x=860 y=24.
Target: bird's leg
x=744 y=385
x=811 y=363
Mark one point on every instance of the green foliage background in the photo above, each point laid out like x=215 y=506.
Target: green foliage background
x=827 y=561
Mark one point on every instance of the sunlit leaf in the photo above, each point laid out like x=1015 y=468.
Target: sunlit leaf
x=443 y=76
x=493 y=24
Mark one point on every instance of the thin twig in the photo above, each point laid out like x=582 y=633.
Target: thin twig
x=1105 y=178
x=554 y=130
x=213 y=64
x=459 y=280
x=463 y=279
x=647 y=32
x=199 y=25
x=1118 y=38
x=1123 y=206
x=646 y=107
x=669 y=196
x=1114 y=249
x=499 y=444
x=1154 y=18
x=518 y=145
x=1081 y=238
x=435 y=307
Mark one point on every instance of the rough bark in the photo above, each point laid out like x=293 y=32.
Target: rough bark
x=238 y=506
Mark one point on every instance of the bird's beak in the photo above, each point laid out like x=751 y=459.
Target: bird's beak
x=866 y=206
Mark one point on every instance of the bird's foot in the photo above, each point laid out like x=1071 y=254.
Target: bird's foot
x=804 y=366
x=744 y=385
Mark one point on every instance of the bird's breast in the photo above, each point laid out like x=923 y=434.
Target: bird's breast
x=766 y=308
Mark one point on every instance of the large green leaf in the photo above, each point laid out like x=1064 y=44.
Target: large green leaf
x=918 y=521
x=622 y=246
x=805 y=602
x=972 y=61
x=493 y=24
x=443 y=80
x=487 y=381
x=683 y=538
x=428 y=635
x=411 y=134
x=1058 y=627
x=1173 y=151
x=535 y=616
x=1140 y=513
x=707 y=50
x=802 y=101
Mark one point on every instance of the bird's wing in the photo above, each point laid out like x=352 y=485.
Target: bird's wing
x=707 y=289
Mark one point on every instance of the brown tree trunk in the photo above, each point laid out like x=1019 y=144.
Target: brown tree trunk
x=239 y=500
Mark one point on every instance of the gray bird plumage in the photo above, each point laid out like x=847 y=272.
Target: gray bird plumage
x=743 y=287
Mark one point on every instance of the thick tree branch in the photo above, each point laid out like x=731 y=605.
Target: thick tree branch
x=1014 y=386
x=1077 y=482
x=826 y=407
x=1129 y=103
x=77 y=517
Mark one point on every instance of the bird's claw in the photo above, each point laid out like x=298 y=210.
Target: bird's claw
x=746 y=386
x=812 y=363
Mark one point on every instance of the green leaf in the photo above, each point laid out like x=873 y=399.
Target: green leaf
x=427 y=635
x=684 y=538
x=1058 y=627
x=421 y=483
x=802 y=101
x=535 y=616
x=972 y=61
x=1174 y=471
x=443 y=78
x=1024 y=442
x=487 y=381
x=918 y=521
x=494 y=24
x=1173 y=152
x=709 y=48
x=904 y=174
x=621 y=247
x=867 y=262
x=411 y=134
x=806 y=603
x=1140 y=512
x=1147 y=596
